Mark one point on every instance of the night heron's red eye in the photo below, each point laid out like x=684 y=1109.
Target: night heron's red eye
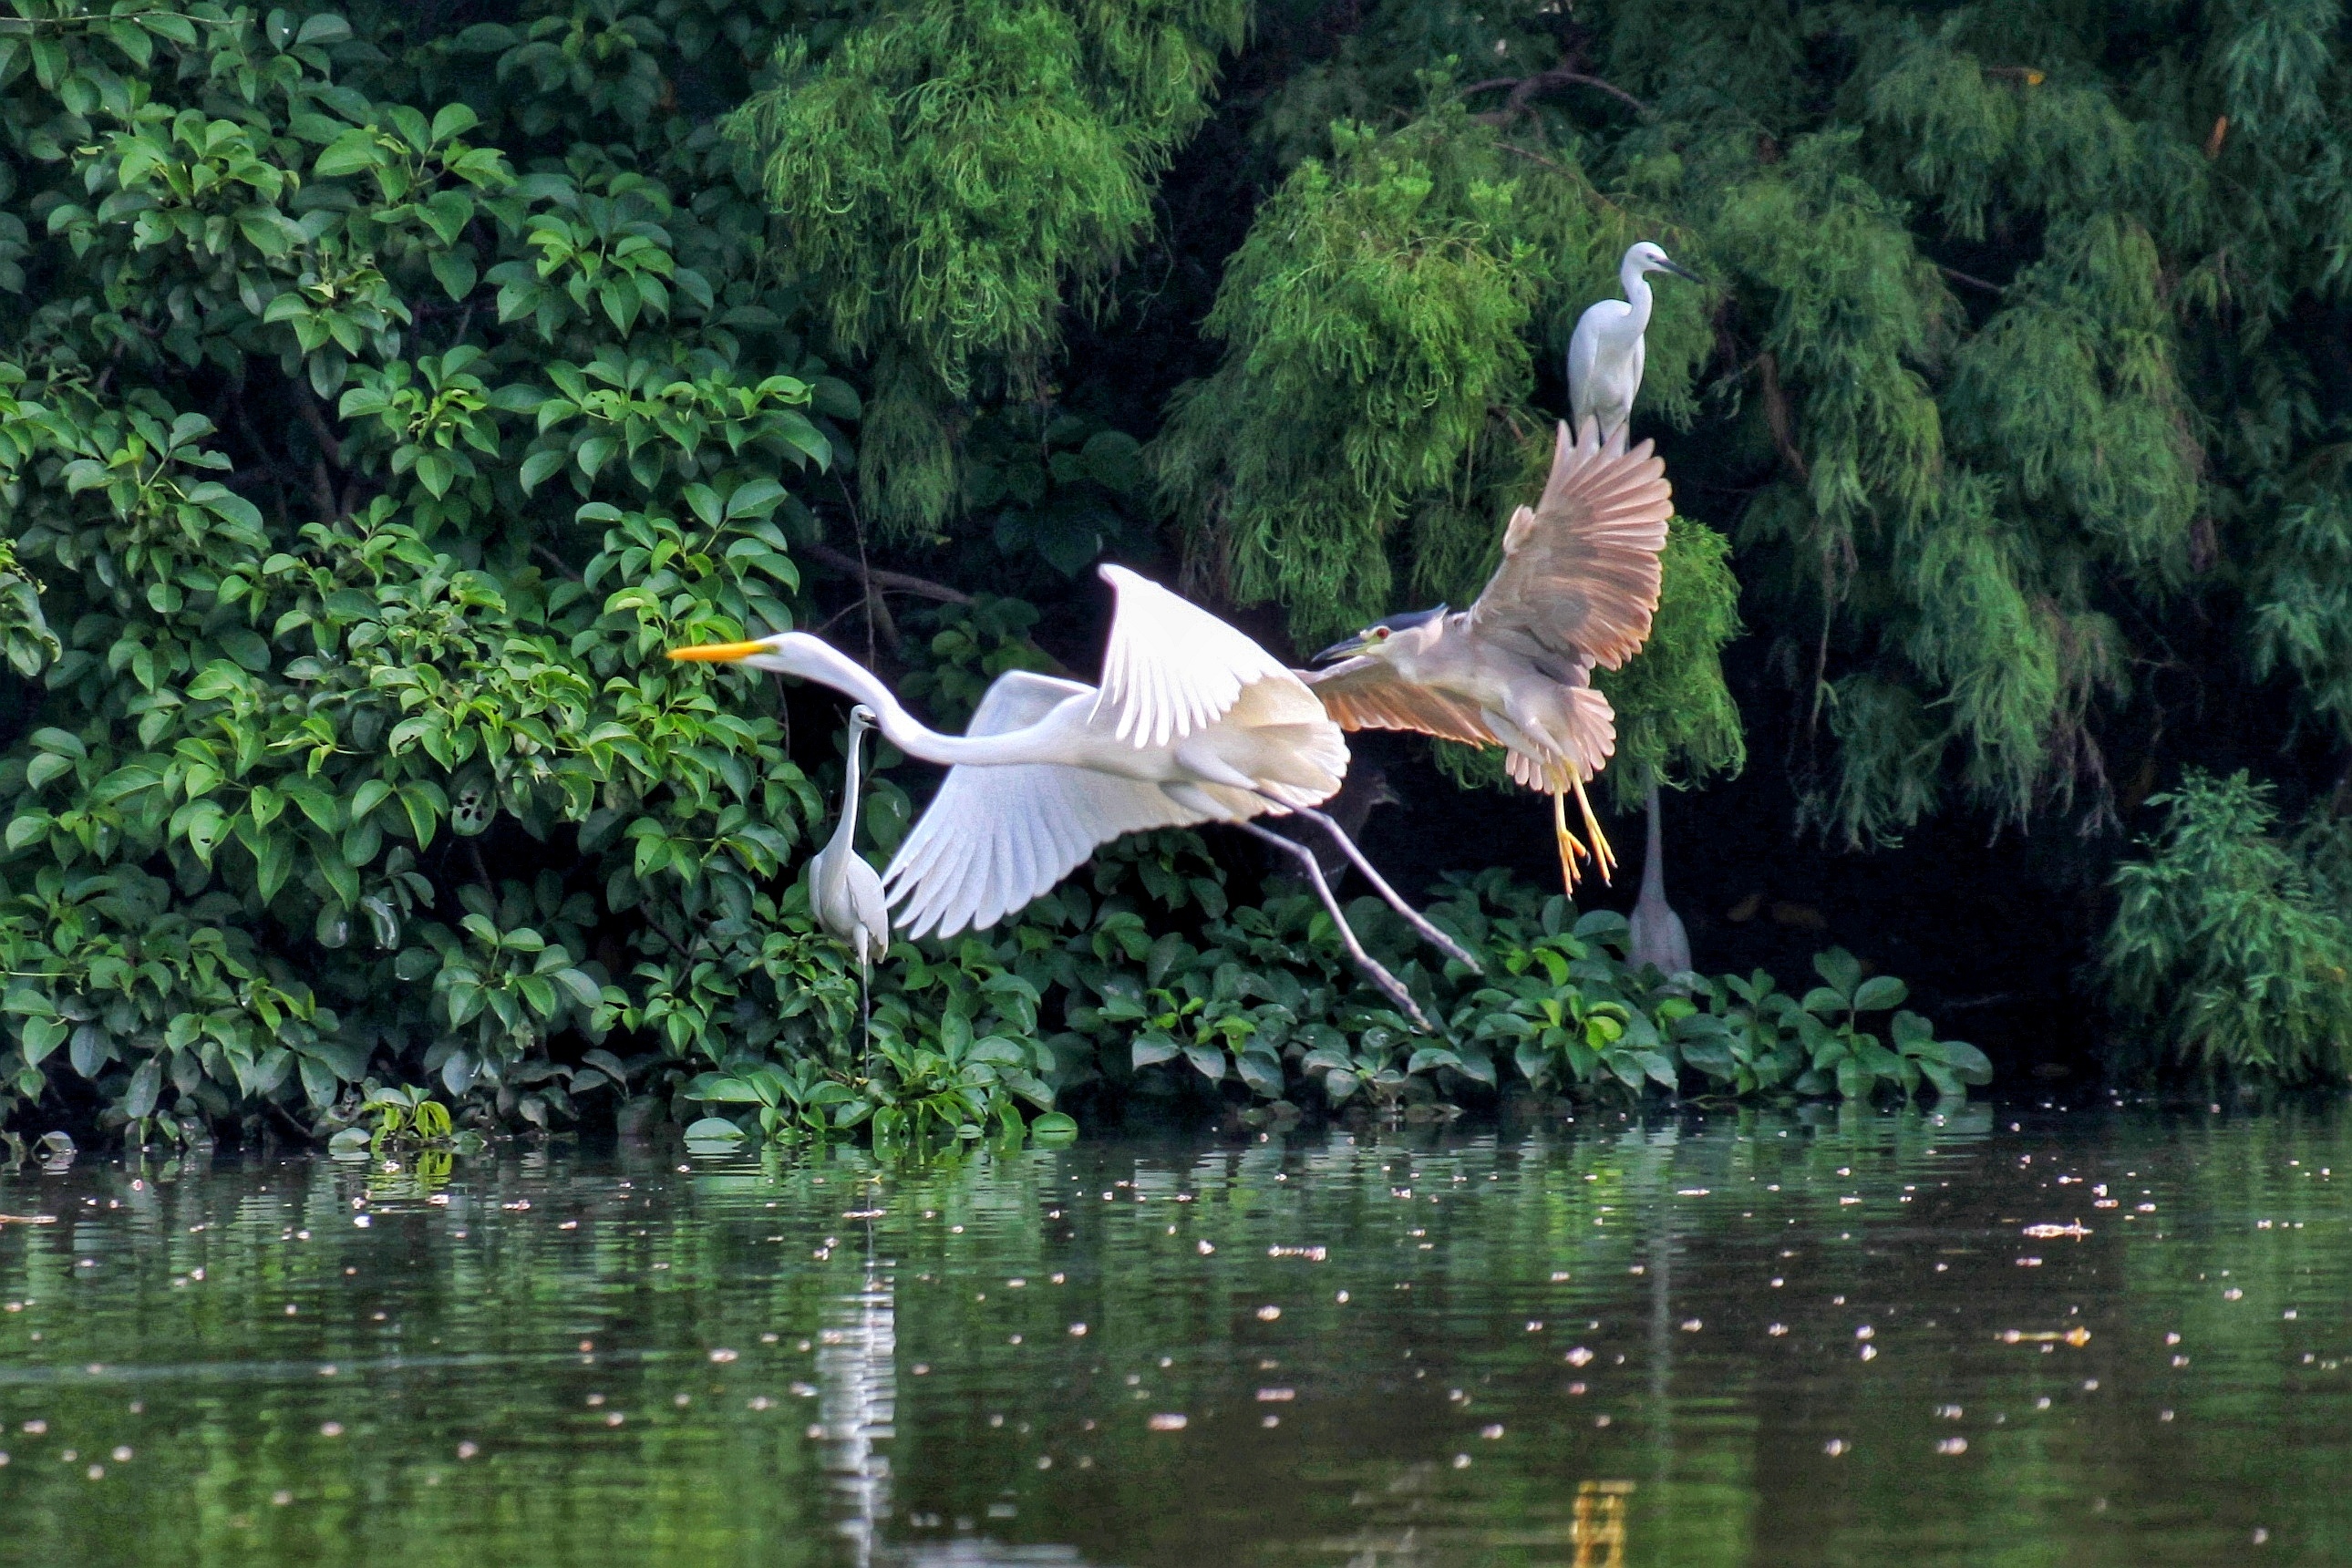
x=1379 y=634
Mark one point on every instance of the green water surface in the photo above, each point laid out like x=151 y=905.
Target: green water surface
x=1698 y=1340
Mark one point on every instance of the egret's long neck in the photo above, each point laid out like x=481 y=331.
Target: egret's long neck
x=1653 y=863
x=845 y=834
x=811 y=658
x=1637 y=294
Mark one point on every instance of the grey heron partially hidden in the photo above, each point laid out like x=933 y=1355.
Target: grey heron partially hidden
x=844 y=892
x=1578 y=584
x=1194 y=723
x=1657 y=936
x=1604 y=357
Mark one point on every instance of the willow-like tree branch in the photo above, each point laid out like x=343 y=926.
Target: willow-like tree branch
x=1524 y=88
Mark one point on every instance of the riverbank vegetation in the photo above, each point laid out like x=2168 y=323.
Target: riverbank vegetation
x=382 y=389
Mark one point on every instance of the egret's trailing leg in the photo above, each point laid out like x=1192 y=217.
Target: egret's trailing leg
x=1412 y=917
x=1373 y=970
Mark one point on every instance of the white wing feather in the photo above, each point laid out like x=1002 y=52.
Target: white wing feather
x=996 y=837
x=1172 y=667
x=1018 y=699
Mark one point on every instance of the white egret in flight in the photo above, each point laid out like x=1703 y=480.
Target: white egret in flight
x=1194 y=723
x=1657 y=934
x=1604 y=357
x=1577 y=587
x=844 y=892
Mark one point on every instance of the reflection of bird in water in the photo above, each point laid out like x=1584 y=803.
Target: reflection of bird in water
x=1658 y=936
x=857 y=1381
x=1604 y=357
x=1366 y=788
x=1577 y=586
x=844 y=892
x=1194 y=723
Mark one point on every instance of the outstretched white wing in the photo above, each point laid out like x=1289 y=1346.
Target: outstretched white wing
x=994 y=837
x=1172 y=667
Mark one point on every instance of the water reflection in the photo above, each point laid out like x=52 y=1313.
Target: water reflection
x=2108 y=1339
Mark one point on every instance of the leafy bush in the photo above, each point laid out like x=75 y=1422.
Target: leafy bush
x=1166 y=990
x=2226 y=946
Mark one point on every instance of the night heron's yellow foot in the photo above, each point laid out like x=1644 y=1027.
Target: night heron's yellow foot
x=1604 y=857
x=1568 y=847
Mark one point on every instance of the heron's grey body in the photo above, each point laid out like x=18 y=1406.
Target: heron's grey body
x=1576 y=590
x=844 y=892
x=1605 y=356
x=1658 y=936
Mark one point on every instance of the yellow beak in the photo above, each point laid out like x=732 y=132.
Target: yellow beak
x=718 y=652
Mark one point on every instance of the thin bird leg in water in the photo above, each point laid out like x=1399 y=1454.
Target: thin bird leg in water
x=1371 y=966
x=1568 y=847
x=1436 y=938
x=865 y=1002
x=1602 y=855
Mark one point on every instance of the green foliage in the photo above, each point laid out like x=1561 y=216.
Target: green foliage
x=2012 y=368
x=377 y=406
x=2230 y=946
x=1378 y=370
x=1676 y=716
x=313 y=318
x=947 y=172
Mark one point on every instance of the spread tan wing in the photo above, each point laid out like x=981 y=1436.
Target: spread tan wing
x=1579 y=573
x=1366 y=694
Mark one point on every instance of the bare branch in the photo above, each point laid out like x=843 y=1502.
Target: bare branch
x=557 y=561
x=1522 y=89
x=876 y=578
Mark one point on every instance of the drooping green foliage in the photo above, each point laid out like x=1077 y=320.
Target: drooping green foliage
x=2231 y=946
x=1372 y=410
x=949 y=173
x=2015 y=349
x=1676 y=718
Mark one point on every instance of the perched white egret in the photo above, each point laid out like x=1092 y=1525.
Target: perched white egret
x=844 y=892
x=1658 y=936
x=1577 y=587
x=1194 y=723
x=1604 y=357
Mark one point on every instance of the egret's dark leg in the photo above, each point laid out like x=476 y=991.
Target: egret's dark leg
x=1413 y=916
x=1372 y=969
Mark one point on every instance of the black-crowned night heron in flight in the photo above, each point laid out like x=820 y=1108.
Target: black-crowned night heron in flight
x=1194 y=723
x=844 y=892
x=1577 y=587
x=1604 y=357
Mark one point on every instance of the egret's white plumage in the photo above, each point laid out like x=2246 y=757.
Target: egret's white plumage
x=1194 y=722
x=844 y=892
x=1657 y=935
x=1604 y=357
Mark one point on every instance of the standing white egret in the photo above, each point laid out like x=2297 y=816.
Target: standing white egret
x=1658 y=936
x=844 y=892
x=1194 y=723
x=1604 y=357
x=1577 y=586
